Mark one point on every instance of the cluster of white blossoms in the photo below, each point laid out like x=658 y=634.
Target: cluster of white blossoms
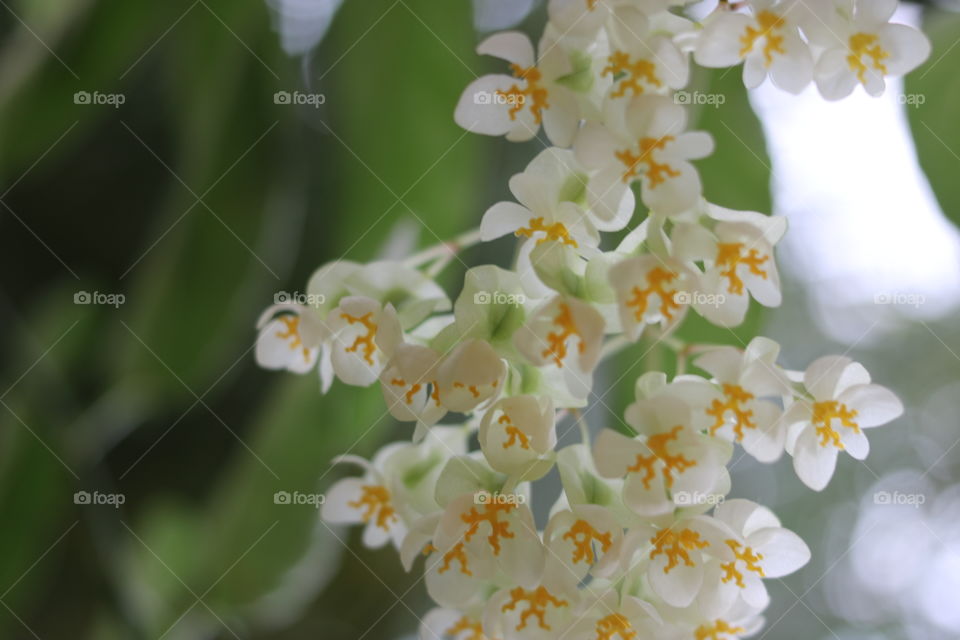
x=641 y=542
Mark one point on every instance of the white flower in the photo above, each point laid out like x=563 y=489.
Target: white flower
x=517 y=105
x=471 y=375
x=566 y=334
x=584 y=538
x=641 y=60
x=861 y=46
x=517 y=436
x=608 y=615
x=668 y=464
x=440 y=623
x=843 y=403
x=409 y=385
x=645 y=139
x=651 y=290
x=363 y=336
x=290 y=338
x=767 y=41
x=540 y=611
x=759 y=548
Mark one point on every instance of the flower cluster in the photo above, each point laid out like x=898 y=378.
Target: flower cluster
x=642 y=541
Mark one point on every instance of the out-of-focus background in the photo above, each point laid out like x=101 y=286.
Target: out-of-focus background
x=168 y=168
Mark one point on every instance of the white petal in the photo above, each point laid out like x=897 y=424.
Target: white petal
x=512 y=46
x=814 y=464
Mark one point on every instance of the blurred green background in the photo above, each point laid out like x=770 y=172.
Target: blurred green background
x=198 y=200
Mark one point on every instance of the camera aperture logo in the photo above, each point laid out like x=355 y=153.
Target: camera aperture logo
x=302 y=299
x=499 y=297
x=96 y=498
x=298 y=498
x=299 y=98
x=485 y=497
x=96 y=297
x=99 y=99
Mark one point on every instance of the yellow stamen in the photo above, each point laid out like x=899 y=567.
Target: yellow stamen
x=713 y=631
x=538 y=600
x=556 y=232
x=732 y=256
x=866 y=45
x=375 y=500
x=515 y=434
x=615 y=624
x=630 y=73
x=291 y=330
x=656 y=278
x=676 y=546
x=670 y=463
x=466 y=624
x=748 y=557
x=456 y=553
x=591 y=5
x=583 y=535
x=657 y=172
x=824 y=413
x=491 y=515
x=474 y=391
x=414 y=388
x=770 y=24
x=517 y=97
x=365 y=340
x=735 y=399
x=558 y=339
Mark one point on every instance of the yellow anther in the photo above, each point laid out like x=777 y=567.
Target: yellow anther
x=615 y=624
x=824 y=413
x=291 y=330
x=366 y=340
x=538 y=599
x=748 y=557
x=375 y=500
x=770 y=26
x=866 y=45
x=676 y=546
x=414 y=388
x=464 y=625
x=517 y=97
x=556 y=232
x=516 y=435
x=557 y=340
x=656 y=279
x=657 y=444
x=583 y=535
x=735 y=399
x=731 y=256
x=456 y=553
x=491 y=515
x=713 y=631
x=657 y=172
x=630 y=73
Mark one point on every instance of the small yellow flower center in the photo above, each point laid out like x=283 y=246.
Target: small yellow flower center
x=375 y=501
x=458 y=554
x=517 y=97
x=556 y=232
x=676 y=546
x=629 y=73
x=714 y=631
x=291 y=330
x=657 y=444
x=365 y=340
x=516 y=435
x=491 y=515
x=591 y=5
x=748 y=557
x=583 y=535
x=769 y=27
x=735 y=399
x=866 y=52
x=656 y=279
x=537 y=601
x=557 y=340
x=464 y=625
x=731 y=256
x=615 y=624
x=411 y=392
x=656 y=172
x=824 y=413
